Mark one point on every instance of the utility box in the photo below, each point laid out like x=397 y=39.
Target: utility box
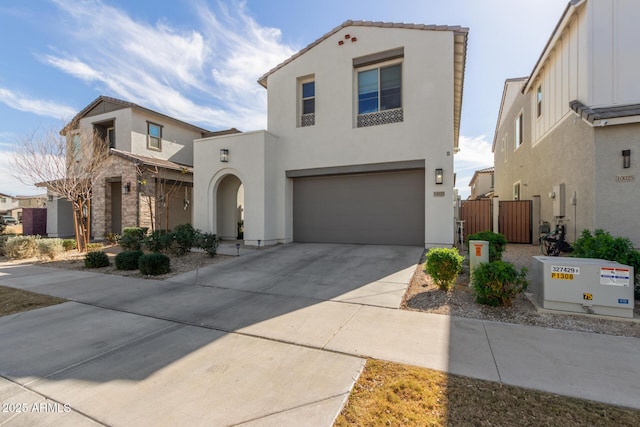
x=478 y=252
x=584 y=285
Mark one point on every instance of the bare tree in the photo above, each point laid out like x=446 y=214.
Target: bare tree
x=168 y=183
x=67 y=168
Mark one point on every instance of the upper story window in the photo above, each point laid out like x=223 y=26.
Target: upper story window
x=76 y=147
x=519 y=131
x=111 y=137
x=539 y=101
x=3 y=200
x=379 y=88
x=154 y=133
x=308 y=103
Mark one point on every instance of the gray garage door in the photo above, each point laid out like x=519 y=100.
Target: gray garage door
x=370 y=208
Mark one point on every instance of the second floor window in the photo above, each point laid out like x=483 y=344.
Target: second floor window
x=155 y=136
x=111 y=137
x=308 y=117
x=539 y=101
x=380 y=89
x=309 y=98
x=519 y=131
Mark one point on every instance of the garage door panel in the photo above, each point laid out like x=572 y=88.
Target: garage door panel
x=374 y=208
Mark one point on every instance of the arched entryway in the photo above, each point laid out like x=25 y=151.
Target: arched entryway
x=230 y=208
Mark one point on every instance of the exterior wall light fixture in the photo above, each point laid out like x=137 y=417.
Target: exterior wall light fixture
x=626 y=159
x=439 y=176
x=126 y=188
x=224 y=155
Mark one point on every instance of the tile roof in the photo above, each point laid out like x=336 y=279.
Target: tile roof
x=151 y=161
x=125 y=104
x=592 y=114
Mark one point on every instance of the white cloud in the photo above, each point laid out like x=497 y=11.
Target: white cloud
x=206 y=75
x=40 y=107
x=475 y=153
x=9 y=184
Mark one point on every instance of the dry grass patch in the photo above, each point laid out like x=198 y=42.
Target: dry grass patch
x=16 y=300
x=391 y=394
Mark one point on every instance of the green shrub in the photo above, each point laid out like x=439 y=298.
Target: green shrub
x=21 y=247
x=497 y=283
x=96 y=259
x=497 y=243
x=49 y=248
x=138 y=232
x=130 y=242
x=183 y=239
x=69 y=244
x=602 y=245
x=154 y=264
x=209 y=243
x=158 y=241
x=3 y=242
x=444 y=265
x=128 y=260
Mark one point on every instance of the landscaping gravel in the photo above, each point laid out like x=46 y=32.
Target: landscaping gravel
x=423 y=295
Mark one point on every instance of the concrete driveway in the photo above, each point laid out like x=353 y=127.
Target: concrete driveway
x=192 y=350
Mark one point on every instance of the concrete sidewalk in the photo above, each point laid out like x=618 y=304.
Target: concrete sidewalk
x=146 y=352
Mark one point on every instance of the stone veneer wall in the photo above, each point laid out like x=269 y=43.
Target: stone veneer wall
x=117 y=169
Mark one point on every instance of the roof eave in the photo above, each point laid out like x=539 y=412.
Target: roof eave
x=568 y=13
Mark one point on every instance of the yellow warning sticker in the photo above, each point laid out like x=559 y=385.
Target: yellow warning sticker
x=587 y=297
x=562 y=276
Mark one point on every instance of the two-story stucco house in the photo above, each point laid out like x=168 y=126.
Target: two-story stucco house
x=569 y=133
x=147 y=179
x=481 y=184
x=362 y=127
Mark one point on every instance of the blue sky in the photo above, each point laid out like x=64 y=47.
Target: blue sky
x=198 y=60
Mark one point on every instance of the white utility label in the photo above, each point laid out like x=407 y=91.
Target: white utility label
x=614 y=276
x=565 y=269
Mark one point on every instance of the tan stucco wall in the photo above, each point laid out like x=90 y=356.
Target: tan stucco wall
x=565 y=155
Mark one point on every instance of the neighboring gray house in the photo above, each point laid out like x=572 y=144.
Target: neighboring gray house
x=148 y=180
x=482 y=184
x=569 y=133
x=8 y=204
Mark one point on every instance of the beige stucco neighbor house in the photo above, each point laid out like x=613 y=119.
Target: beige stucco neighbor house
x=569 y=133
x=362 y=127
x=148 y=179
x=481 y=184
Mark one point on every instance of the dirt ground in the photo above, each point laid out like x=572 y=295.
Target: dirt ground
x=424 y=295
x=74 y=260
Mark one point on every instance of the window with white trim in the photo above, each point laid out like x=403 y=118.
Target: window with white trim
x=154 y=135
x=539 y=101
x=516 y=191
x=518 y=131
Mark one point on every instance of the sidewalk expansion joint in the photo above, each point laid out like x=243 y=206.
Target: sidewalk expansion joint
x=219 y=329
x=324 y=345
x=493 y=356
x=343 y=395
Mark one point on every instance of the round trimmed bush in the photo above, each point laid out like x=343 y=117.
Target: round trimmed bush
x=128 y=260
x=497 y=283
x=154 y=264
x=96 y=259
x=444 y=265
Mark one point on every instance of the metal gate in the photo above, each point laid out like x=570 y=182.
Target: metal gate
x=514 y=220
x=477 y=216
